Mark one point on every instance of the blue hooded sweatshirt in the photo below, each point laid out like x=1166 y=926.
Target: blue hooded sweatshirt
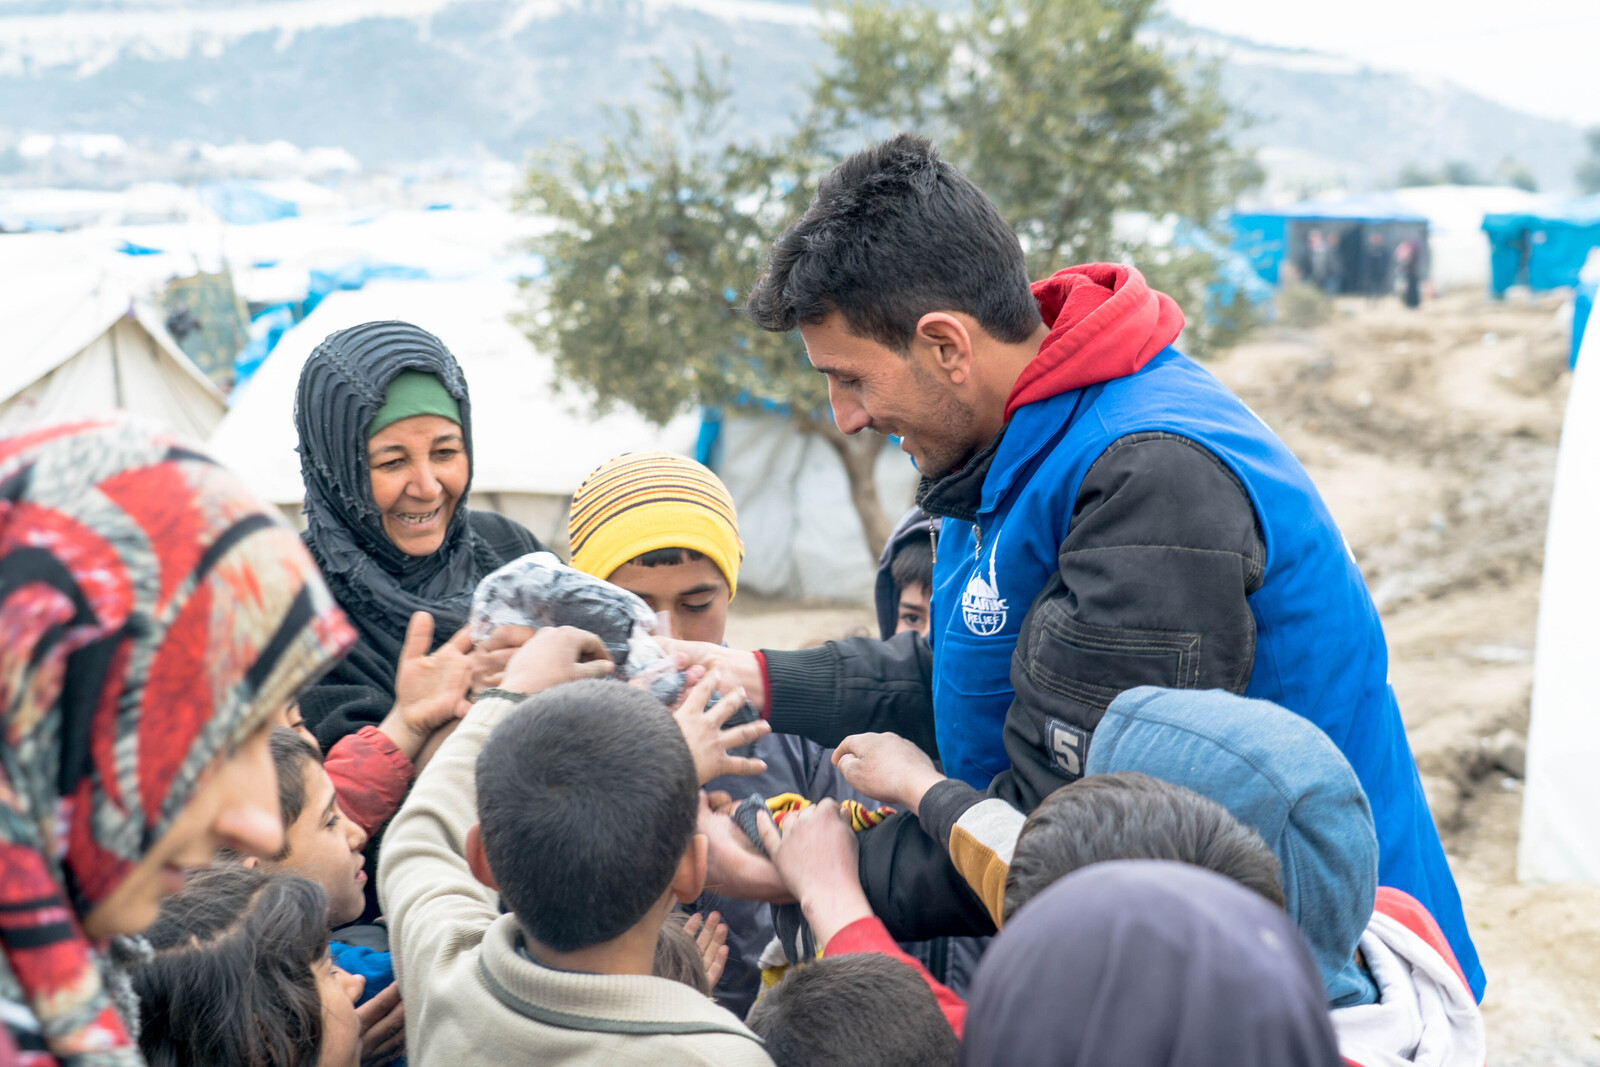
x=1281 y=776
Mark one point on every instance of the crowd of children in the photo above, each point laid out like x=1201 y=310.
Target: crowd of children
x=265 y=802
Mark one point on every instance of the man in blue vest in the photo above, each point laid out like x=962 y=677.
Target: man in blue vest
x=1113 y=517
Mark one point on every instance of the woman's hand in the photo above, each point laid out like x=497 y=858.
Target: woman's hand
x=429 y=690
x=710 y=935
x=887 y=767
x=708 y=741
x=556 y=655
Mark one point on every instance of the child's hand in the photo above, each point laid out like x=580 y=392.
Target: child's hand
x=887 y=768
x=710 y=933
x=708 y=741
x=816 y=855
x=490 y=658
x=428 y=689
x=383 y=1028
x=555 y=655
x=734 y=866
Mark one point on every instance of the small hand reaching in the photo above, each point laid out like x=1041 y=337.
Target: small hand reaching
x=428 y=688
x=734 y=866
x=887 y=767
x=383 y=1027
x=556 y=655
x=817 y=857
x=710 y=935
x=489 y=659
x=708 y=741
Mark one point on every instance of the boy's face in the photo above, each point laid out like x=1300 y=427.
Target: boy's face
x=325 y=846
x=912 y=610
x=694 y=593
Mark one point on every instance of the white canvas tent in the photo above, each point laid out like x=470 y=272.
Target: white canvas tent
x=77 y=344
x=1458 y=249
x=532 y=444
x=1560 y=830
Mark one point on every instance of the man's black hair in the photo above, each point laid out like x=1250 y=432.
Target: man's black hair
x=1131 y=816
x=587 y=799
x=862 y=1010
x=913 y=565
x=667 y=557
x=894 y=233
x=291 y=755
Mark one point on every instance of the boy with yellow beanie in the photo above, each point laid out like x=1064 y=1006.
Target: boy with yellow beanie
x=664 y=527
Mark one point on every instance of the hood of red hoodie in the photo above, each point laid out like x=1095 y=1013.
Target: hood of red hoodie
x=1105 y=323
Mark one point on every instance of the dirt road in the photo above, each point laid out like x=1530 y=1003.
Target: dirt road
x=1432 y=435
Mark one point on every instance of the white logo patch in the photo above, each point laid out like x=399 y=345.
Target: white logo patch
x=982 y=606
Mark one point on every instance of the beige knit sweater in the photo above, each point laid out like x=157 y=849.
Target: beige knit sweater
x=473 y=998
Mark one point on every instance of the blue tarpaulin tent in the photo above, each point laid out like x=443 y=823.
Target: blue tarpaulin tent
x=243 y=203
x=1269 y=236
x=1542 y=249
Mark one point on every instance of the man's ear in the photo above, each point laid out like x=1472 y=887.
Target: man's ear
x=477 y=860
x=690 y=877
x=948 y=339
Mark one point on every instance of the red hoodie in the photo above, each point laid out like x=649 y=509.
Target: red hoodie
x=1105 y=322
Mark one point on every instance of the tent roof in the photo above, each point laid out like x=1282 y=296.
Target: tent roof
x=1371 y=207
x=1583 y=211
x=528 y=438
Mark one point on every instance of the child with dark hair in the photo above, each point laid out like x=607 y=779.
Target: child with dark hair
x=814 y=1017
x=905 y=575
x=323 y=844
x=546 y=799
x=241 y=976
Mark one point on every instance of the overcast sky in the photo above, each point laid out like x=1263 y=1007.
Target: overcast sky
x=1541 y=56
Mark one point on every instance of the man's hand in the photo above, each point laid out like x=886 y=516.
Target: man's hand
x=710 y=935
x=428 y=689
x=816 y=855
x=383 y=1027
x=734 y=867
x=887 y=768
x=490 y=658
x=708 y=741
x=738 y=669
x=555 y=655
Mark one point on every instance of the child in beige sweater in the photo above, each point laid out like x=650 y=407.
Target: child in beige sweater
x=579 y=805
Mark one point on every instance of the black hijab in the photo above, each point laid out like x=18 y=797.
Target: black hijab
x=1143 y=963
x=342 y=386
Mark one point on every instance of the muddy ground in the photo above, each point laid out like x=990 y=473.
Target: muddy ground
x=1432 y=435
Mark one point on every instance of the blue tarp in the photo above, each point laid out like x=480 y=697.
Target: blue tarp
x=1582 y=314
x=1236 y=275
x=1542 y=249
x=1262 y=236
x=243 y=203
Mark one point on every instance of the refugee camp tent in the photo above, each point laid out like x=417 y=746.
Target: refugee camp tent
x=1273 y=237
x=1457 y=246
x=532 y=444
x=79 y=344
x=1543 y=248
x=1560 y=833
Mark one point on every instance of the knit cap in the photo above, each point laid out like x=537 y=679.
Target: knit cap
x=642 y=501
x=414 y=392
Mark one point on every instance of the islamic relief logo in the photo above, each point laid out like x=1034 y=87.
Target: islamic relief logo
x=982 y=606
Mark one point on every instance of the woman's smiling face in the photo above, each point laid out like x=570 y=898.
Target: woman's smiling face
x=419 y=473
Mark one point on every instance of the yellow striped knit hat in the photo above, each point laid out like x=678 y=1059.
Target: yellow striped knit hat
x=641 y=501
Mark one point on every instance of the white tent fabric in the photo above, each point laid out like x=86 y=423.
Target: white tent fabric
x=801 y=534
x=1560 y=830
x=533 y=445
x=1457 y=246
x=78 y=344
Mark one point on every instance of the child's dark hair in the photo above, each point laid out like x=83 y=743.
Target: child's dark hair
x=894 y=233
x=678 y=956
x=587 y=799
x=863 y=1010
x=913 y=565
x=231 y=980
x=291 y=755
x=667 y=557
x=1131 y=816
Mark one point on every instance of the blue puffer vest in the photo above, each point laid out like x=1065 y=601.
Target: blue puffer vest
x=1320 y=649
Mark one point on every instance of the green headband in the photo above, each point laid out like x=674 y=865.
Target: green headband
x=414 y=392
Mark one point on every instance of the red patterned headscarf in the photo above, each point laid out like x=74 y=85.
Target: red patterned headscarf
x=153 y=614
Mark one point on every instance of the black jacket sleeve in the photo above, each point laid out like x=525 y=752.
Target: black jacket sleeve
x=853 y=686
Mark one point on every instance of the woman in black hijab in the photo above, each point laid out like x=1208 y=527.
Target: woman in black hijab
x=1144 y=963
x=385 y=429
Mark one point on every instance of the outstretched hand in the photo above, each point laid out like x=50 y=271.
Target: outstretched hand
x=710 y=935
x=429 y=688
x=817 y=856
x=556 y=655
x=708 y=741
x=734 y=867
x=887 y=767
